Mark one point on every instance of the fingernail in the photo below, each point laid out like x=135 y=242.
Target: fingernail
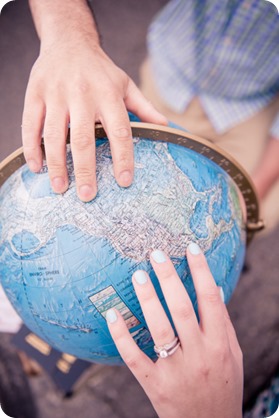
x=158 y=256
x=140 y=276
x=194 y=248
x=58 y=183
x=33 y=165
x=222 y=294
x=125 y=178
x=86 y=192
x=111 y=316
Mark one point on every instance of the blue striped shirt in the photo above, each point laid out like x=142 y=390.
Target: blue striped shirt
x=224 y=51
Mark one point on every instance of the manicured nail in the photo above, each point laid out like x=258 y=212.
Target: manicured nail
x=33 y=165
x=111 y=316
x=158 y=256
x=222 y=294
x=194 y=248
x=58 y=183
x=140 y=276
x=86 y=192
x=125 y=178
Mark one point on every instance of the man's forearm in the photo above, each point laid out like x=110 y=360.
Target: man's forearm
x=54 y=19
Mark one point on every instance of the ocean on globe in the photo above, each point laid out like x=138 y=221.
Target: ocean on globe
x=64 y=263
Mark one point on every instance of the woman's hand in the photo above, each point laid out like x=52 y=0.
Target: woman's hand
x=203 y=377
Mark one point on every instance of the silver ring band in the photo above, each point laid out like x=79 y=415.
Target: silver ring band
x=166 y=350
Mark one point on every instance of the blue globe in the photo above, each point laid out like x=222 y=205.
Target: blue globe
x=64 y=263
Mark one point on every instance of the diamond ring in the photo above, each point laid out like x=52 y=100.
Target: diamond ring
x=166 y=350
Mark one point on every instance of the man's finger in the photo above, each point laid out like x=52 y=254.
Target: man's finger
x=114 y=118
x=138 y=104
x=55 y=132
x=82 y=120
x=32 y=125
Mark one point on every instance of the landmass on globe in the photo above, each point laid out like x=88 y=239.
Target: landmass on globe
x=64 y=263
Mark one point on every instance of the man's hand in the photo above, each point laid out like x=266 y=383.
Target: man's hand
x=74 y=81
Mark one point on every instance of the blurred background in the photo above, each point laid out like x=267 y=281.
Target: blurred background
x=112 y=391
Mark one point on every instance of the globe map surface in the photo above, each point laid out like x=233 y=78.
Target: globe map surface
x=64 y=263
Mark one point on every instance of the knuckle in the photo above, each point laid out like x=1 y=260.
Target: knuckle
x=204 y=370
x=52 y=134
x=36 y=85
x=132 y=361
x=211 y=296
x=199 y=265
x=164 y=335
x=81 y=85
x=111 y=94
x=183 y=312
x=30 y=149
x=55 y=167
x=167 y=274
x=84 y=174
x=27 y=122
x=147 y=296
x=82 y=140
x=122 y=133
x=124 y=162
x=161 y=395
x=222 y=353
x=35 y=79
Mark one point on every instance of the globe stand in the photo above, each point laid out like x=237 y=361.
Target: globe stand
x=254 y=222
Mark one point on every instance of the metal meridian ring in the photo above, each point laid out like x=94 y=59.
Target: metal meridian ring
x=166 y=350
x=254 y=223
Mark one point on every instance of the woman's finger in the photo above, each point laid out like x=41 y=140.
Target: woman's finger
x=154 y=313
x=178 y=301
x=140 y=365
x=233 y=341
x=210 y=304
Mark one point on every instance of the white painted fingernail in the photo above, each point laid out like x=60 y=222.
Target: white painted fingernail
x=222 y=294
x=140 y=277
x=111 y=316
x=158 y=256
x=194 y=248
